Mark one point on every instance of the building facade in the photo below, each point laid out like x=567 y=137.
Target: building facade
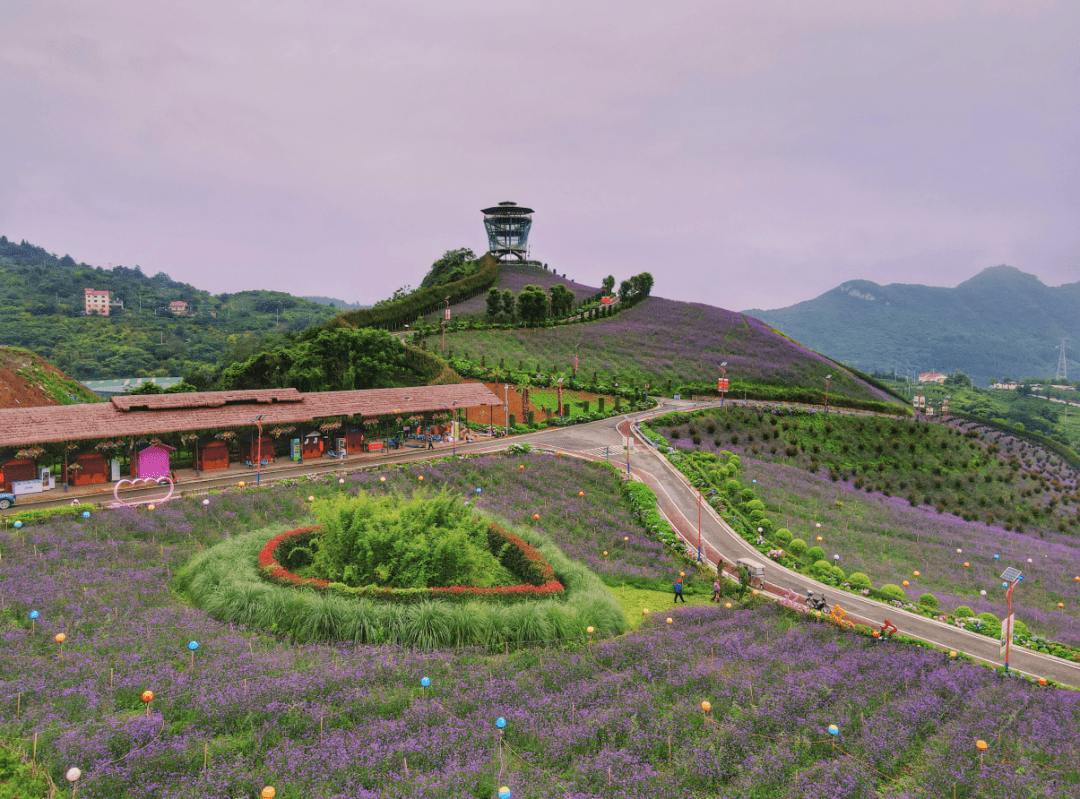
x=96 y=302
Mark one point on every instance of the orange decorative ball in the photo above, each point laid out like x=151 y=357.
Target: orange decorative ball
x=1042 y=681
x=269 y=792
x=967 y=565
x=876 y=634
x=916 y=573
x=906 y=583
x=148 y=696
x=536 y=516
x=982 y=745
x=60 y=638
x=581 y=493
x=421 y=478
x=669 y=620
x=706 y=706
x=522 y=467
x=819 y=538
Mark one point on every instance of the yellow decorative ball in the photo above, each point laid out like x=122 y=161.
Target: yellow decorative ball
x=727 y=605
x=242 y=484
x=269 y=792
x=669 y=620
x=590 y=629
x=706 y=706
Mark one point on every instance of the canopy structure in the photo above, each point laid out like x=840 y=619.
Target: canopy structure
x=507 y=226
x=156 y=414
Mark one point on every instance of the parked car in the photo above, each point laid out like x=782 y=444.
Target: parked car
x=6 y=500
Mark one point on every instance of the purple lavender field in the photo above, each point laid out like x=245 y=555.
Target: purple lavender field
x=660 y=340
x=618 y=718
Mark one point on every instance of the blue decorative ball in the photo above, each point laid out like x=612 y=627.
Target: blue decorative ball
x=34 y=614
x=86 y=514
x=425 y=681
x=193 y=645
x=17 y=525
x=500 y=722
x=505 y=793
x=997 y=557
x=1004 y=585
x=834 y=730
x=479 y=490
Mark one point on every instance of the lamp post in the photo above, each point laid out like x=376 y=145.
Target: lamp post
x=698 y=525
x=257 y=421
x=506 y=406
x=827 y=379
x=559 y=384
x=723 y=383
x=446 y=318
x=1011 y=576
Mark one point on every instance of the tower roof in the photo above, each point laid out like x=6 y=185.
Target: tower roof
x=507 y=208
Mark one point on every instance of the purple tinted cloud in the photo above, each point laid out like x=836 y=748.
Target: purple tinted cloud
x=747 y=154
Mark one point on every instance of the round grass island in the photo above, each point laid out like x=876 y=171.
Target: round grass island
x=424 y=571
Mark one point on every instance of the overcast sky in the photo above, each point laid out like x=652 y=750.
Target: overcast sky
x=747 y=154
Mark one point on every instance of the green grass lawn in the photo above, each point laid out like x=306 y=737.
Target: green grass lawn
x=634 y=600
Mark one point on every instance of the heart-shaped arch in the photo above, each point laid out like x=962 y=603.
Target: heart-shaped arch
x=122 y=503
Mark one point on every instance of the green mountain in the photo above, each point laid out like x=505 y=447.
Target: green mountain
x=42 y=309
x=1000 y=323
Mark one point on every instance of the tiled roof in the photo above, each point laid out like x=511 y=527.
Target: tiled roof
x=156 y=414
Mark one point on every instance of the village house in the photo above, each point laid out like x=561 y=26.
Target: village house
x=96 y=301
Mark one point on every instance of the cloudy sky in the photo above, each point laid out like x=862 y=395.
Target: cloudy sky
x=748 y=154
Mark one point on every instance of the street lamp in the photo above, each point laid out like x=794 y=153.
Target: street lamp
x=257 y=421
x=827 y=379
x=1011 y=576
x=723 y=383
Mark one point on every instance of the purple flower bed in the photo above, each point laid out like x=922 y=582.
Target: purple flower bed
x=660 y=340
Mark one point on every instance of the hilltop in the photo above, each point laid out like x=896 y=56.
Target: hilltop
x=1001 y=323
x=27 y=380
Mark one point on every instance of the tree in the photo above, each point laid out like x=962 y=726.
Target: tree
x=532 y=303
x=494 y=302
x=626 y=290
x=454 y=265
x=608 y=284
x=508 y=303
x=562 y=300
x=643 y=284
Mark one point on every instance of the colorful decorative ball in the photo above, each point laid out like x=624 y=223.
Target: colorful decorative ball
x=500 y=722
x=425 y=682
x=727 y=605
x=341 y=481
x=1061 y=604
x=241 y=484
x=834 y=730
x=421 y=478
x=952 y=653
x=269 y=792
x=982 y=592
x=206 y=502
x=982 y=745
x=958 y=550
x=536 y=516
x=581 y=493
x=193 y=645
x=151 y=506
x=148 y=696
x=59 y=638
x=876 y=634
x=967 y=565
x=682 y=574
x=1042 y=681
x=382 y=479
x=706 y=706
x=820 y=538
x=644 y=611
x=997 y=557
x=521 y=468
x=34 y=614
x=17 y=525
x=1004 y=585
x=916 y=572
x=605 y=553
x=86 y=514
x=311 y=498
x=669 y=620
x=905 y=583
x=625 y=538
x=505 y=793
x=73 y=774
x=479 y=490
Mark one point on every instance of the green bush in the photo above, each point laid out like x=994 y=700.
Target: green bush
x=837 y=574
x=891 y=591
x=821 y=569
x=928 y=601
x=391 y=541
x=859 y=581
x=815 y=553
x=754 y=504
x=989 y=621
x=783 y=536
x=797 y=547
x=733 y=487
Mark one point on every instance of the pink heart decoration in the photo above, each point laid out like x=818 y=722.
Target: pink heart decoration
x=120 y=503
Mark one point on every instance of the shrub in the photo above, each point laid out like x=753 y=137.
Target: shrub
x=815 y=553
x=891 y=591
x=821 y=569
x=783 y=536
x=964 y=612
x=837 y=574
x=990 y=621
x=797 y=547
x=928 y=601
x=754 y=504
x=1020 y=628
x=859 y=581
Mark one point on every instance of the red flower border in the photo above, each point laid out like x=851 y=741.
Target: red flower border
x=528 y=559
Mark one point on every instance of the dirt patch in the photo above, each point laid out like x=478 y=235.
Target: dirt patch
x=29 y=381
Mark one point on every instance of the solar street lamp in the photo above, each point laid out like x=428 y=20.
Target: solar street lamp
x=1010 y=577
x=723 y=382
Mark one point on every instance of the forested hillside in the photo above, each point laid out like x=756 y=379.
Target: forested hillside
x=41 y=309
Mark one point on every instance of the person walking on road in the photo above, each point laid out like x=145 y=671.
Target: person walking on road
x=678 y=592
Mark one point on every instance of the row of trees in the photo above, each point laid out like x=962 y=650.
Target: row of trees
x=533 y=305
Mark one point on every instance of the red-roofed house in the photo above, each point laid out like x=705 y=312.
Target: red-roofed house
x=178 y=306
x=932 y=377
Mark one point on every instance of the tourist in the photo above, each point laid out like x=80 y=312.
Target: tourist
x=678 y=592
x=716 y=590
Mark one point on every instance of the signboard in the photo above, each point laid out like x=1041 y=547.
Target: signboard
x=374 y=446
x=294 y=450
x=447 y=314
x=676 y=396
x=1006 y=633
x=722 y=384
x=605 y=300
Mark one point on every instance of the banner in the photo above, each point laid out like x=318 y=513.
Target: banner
x=1006 y=633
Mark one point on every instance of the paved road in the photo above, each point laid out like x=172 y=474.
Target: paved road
x=678 y=501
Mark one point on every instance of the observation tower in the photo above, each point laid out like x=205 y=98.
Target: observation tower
x=507 y=226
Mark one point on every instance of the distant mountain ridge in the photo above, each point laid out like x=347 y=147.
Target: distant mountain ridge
x=1000 y=323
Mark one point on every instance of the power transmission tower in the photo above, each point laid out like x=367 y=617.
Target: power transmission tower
x=1062 y=369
